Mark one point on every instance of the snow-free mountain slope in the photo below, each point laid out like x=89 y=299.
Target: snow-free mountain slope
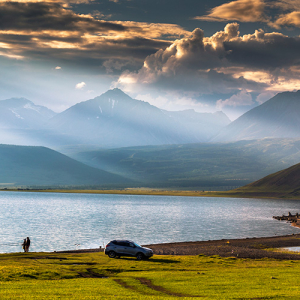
x=40 y=166
x=278 y=117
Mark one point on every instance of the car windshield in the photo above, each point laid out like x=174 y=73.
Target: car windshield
x=137 y=245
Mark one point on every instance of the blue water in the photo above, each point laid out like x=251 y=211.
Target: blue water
x=75 y=221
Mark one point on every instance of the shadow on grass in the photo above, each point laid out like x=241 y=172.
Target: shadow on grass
x=155 y=260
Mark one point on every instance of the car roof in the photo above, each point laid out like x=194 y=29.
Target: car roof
x=122 y=241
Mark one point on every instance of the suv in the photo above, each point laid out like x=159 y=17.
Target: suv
x=118 y=248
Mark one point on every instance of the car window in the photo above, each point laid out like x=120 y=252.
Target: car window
x=131 y=245
x=123 y=244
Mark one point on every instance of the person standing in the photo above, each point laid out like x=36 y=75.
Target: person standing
x=27 y=244
x=24 y=245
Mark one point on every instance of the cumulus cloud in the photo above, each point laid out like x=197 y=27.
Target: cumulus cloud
x=239 y=10
x=224 y=63
x=80 y=85
x=241 y=99
x=263 y=97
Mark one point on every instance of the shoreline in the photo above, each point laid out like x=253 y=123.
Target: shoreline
x=254 y=248
x=165 y=192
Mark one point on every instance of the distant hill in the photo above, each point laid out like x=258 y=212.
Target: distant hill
x=276 y=118
x=23 y=123
x=116 y=120
x=197 y=166
x=282 y=184
x=40 y=166
x=20 y=113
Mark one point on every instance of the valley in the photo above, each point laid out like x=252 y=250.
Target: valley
x=116 y=142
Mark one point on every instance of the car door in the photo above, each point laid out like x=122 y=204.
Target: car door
x=131 y=249
x=123 y=248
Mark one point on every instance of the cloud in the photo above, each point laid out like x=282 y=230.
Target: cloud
x=51 y=30
x=291 y=19
x=225 y=63
x=241 y=99
x=286 y=4
x=239 y=10
x=58 y=68
x=257 y=11
x=263 y=97
x=49 y=16
x=80 y=85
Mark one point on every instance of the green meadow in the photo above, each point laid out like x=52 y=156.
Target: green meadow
x=95 y=276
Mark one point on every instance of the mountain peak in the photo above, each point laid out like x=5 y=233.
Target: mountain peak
x=15 y=101
x=115 y=92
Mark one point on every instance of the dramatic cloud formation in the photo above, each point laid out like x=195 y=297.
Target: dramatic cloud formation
x=165 y=64
x=225 y=63
x=239 y=10
x=49 y=29
x=256 y=11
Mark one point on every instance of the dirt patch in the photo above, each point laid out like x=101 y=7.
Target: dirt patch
x=161 y=289
x=91 y=274
x=127 y=286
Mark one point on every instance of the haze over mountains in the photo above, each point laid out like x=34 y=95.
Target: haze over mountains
x=201 y=166
x=116 y=120
x=276 y=118
x=21 y=121
x=110 y=120
x=164 y=149
x=40 y=166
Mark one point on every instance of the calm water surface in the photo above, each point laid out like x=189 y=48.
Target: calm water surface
x=75 y=221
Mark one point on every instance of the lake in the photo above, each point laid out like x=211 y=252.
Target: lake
x=57 y=221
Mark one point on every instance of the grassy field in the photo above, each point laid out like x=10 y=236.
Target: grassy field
x=95 y=276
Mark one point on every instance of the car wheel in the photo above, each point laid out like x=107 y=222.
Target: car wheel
x=139 y=256
x=112 y=254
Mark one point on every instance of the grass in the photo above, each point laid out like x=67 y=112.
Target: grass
x=95 y=276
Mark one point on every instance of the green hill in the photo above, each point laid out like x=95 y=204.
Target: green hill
x=40 y=166
x=282 y=184
x=197 y=166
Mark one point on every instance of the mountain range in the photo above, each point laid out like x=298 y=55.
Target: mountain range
x=111 y=120
x=138 y=144
x=116 y=120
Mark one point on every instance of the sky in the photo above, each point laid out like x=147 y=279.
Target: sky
x=175 y=54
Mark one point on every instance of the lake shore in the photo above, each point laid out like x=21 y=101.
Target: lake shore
x=254 y=248
x=165 y=192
